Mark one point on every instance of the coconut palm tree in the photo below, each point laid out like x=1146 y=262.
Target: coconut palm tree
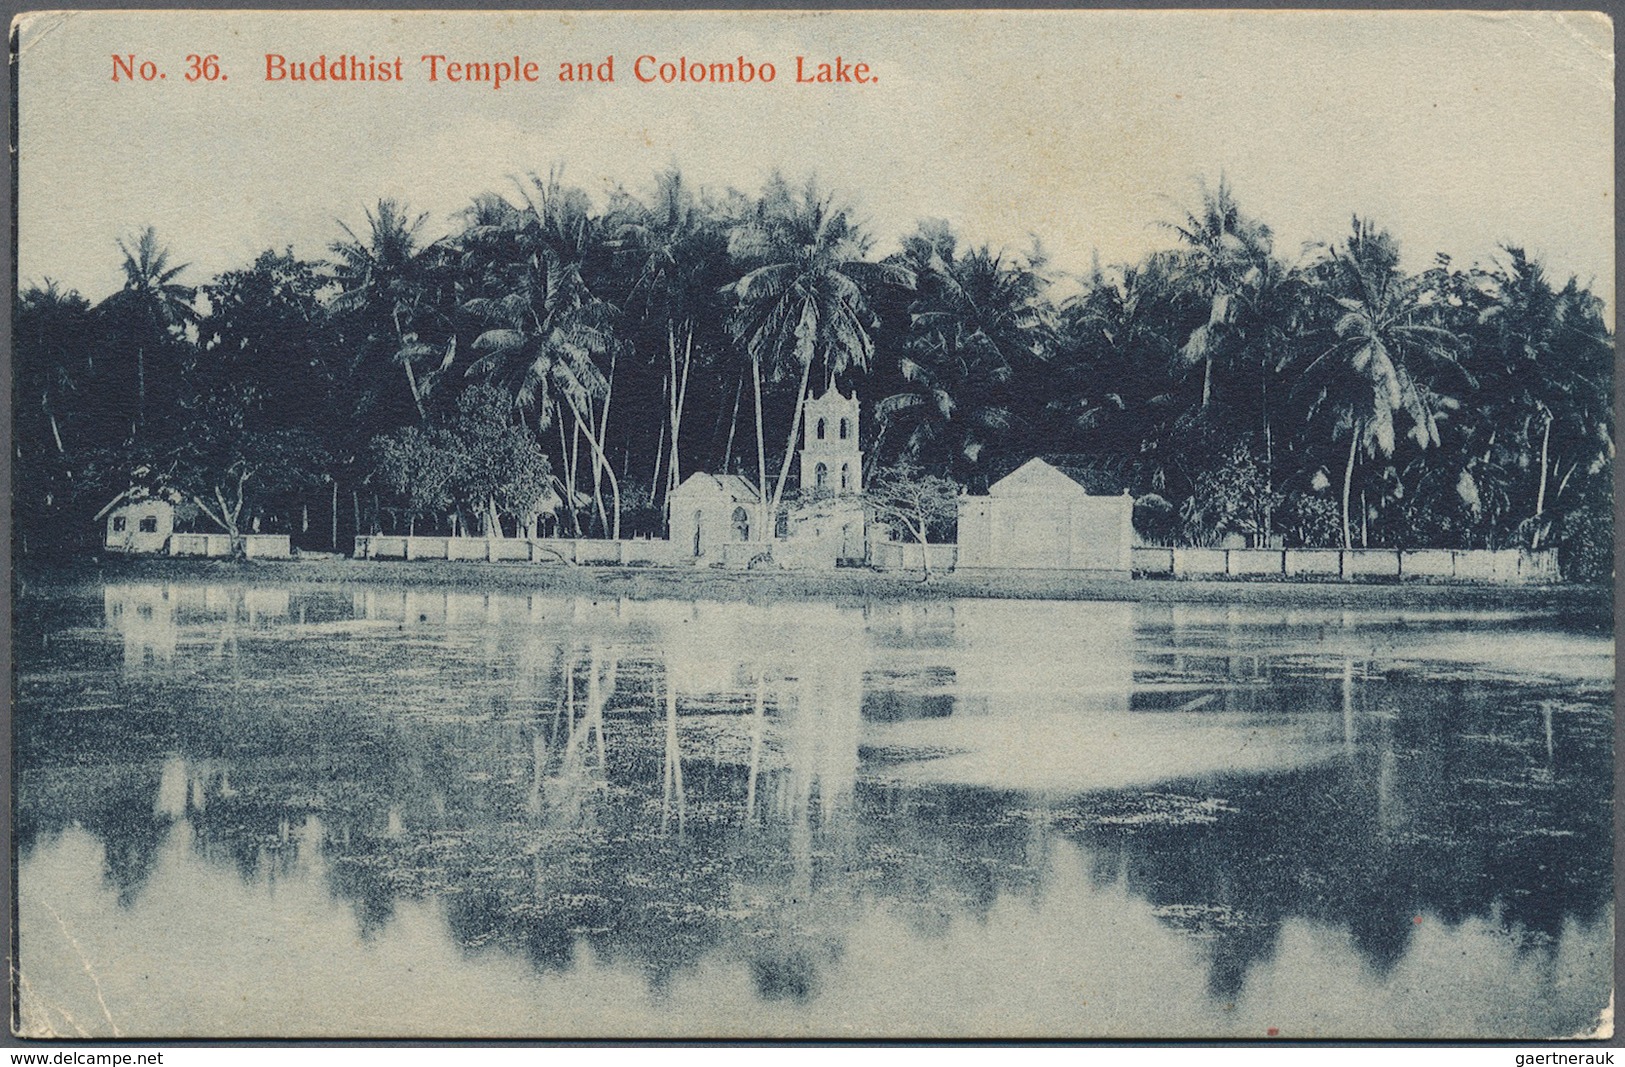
x=1110 y=397
x=1226 y=258
x=1545 y=357
x=548 y=341
x=393 y=280
x=50 y=335
x=152 y=308
x=1381 y=340
x=980 y=323
x=803 y=302
x=673 y=246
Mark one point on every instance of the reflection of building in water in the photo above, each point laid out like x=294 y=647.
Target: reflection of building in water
x=790 y=676
x=710 y=650
x=1231 y=658
x=1044 y=700
x=154 y=617
x=144 y=615
x=263 y=604
x=1217 y=640
x=438 y=607
x=911 y=625
x=187 y=787
x=1051 y=656
x=911 y=674
x=820 y=721
x=472 y=808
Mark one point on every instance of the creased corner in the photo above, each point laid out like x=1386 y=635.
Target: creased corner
x=1592 y=31
x=28 y=28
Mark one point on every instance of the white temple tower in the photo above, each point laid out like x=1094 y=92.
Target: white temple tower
x=831 y=462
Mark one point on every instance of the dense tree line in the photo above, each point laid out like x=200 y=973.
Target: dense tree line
x=552 y=359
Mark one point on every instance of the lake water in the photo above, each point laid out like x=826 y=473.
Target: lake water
x=373 y=810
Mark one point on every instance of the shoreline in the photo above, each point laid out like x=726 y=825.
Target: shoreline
x=648 y=583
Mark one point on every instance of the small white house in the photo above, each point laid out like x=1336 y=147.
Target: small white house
x=137 y=525
x=1040 y=518
x=712 y=511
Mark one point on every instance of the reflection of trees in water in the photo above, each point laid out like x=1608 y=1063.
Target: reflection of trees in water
x=1447 y=810
x=117 y=808
x=650 y=809
x=657 y=782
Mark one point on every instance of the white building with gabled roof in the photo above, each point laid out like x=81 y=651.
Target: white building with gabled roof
x=1039 y=517
x=138 y=522
x=712 y=511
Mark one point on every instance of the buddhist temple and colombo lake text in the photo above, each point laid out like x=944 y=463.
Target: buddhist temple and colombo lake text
x=435 y=68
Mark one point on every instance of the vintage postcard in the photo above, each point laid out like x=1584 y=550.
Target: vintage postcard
x=994 y=524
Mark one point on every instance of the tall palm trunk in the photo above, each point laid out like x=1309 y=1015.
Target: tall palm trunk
x=140 y=386
x=1540 y=496
x=1348 y=479
x=575 y=468
x=656 y=485
x=761 y=454
x=733 y=426
x=567 y=465
x=585 y=428
x=677 y=397
x=1269 y=462
x=597 y=436
x=795 y=431
x=406 y=363
x=412 y=384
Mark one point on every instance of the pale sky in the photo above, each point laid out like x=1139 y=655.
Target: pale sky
x=1455 y=131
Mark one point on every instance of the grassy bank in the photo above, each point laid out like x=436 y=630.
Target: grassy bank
x=652 y=582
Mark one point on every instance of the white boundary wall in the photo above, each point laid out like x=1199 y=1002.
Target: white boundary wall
x=515 y=549
x=1510 y=565
x=905 y=555
x=218 y=545
x=1506 y=565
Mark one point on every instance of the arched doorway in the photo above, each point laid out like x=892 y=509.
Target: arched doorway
x=741 y=524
